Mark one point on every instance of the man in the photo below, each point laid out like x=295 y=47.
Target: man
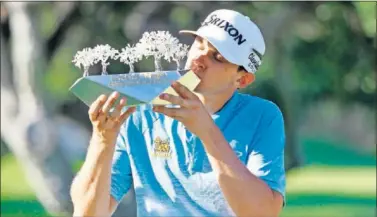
x=220 y=153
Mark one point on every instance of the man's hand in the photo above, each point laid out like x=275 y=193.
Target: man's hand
x=106 y=124
x=191 y=113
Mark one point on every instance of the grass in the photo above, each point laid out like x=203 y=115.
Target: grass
x=331 y=191
x=22 y=208
x=13 y=181
x=17 y=198
x=336 y=182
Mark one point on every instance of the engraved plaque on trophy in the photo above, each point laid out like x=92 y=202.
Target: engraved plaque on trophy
x=138 y=87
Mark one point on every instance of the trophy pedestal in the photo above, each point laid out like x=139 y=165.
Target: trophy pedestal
x=138 y=88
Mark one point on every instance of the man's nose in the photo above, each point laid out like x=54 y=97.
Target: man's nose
x=199 y=64
x=201 y=58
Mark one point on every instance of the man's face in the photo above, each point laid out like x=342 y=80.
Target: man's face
x=216 y=73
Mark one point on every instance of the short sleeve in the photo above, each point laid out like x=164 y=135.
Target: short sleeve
x=121 y=176
x=266 y=155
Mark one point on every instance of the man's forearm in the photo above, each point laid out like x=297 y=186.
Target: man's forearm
x=246 y=194
x=90 y=190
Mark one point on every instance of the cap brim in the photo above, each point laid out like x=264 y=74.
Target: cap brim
x=190 y=32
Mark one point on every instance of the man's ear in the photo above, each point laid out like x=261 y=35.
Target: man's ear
x=245 y=80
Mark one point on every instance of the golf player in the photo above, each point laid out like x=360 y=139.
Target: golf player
x=220 y=153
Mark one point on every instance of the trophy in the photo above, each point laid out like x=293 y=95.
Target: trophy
x=140 y=88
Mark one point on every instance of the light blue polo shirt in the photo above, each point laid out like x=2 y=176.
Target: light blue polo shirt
x=168 y=166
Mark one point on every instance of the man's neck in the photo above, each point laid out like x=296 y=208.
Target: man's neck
x=214 y=102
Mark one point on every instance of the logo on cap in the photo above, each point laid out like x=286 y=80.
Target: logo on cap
x=255 y=60
x=226 y=26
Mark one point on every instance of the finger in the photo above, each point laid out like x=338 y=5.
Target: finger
x=171 y=112
x=118 y=109
x=109 y=103
x=96 y=106
x=183 y=91
x=174 y=99
x=126 y=114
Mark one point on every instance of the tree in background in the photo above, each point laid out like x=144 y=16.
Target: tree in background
x=27 y=115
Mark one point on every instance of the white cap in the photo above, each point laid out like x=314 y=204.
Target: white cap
x=235 y=36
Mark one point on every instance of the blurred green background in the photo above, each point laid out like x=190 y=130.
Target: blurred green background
x=319 y=67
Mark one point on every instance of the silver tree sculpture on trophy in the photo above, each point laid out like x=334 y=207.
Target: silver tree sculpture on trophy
x=102 y=54
x=84 y=58
x=157 y=44
x=91 y=56
x=130 y=55
x=179 y=52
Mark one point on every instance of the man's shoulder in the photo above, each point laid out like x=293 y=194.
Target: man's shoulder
x=258 y=105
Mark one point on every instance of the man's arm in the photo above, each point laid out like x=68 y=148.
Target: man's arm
x=246 y=194
x=91 y=198
x=90 y=190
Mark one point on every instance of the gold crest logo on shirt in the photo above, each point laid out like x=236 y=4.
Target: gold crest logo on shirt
x=162 y=148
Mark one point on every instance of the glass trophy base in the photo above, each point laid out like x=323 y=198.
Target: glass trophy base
x=139 y=88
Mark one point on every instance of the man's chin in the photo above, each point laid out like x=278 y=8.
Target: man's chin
x=198 y=88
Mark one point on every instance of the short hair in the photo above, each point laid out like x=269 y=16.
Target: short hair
x=241 y=68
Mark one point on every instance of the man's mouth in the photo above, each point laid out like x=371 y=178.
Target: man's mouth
x=196 y=70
